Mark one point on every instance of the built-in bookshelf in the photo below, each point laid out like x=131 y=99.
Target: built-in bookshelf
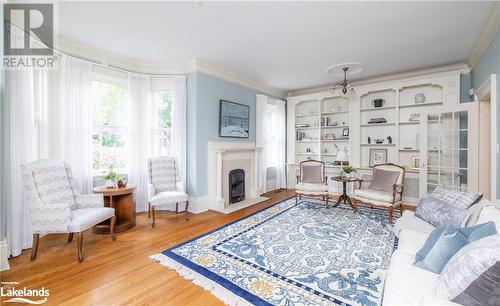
x=322 y=129
x=314 y=117
x=389 y=120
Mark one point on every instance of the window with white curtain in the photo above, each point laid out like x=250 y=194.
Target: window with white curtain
x=110 y=128
x=272 y=134
x=162 y=125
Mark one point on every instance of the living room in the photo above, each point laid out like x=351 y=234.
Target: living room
x=289 y=153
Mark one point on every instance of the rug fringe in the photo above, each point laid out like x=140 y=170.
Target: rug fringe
x=226 y=296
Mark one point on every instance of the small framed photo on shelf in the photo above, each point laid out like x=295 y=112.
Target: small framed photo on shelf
x=345 y=132
x=377 y=157
x=415 y=162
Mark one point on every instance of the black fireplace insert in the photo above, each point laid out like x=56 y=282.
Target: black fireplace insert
x=236 y=186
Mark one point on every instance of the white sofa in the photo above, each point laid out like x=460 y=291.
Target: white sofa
x=408 y=285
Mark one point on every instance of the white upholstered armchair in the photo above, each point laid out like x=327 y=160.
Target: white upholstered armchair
x=385 y=190
x=165 y=186
x=57 y=207
x=312 y=181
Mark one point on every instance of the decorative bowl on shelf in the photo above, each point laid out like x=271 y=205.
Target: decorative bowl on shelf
x=419 y=98
x=378 y=102
x=379 y=140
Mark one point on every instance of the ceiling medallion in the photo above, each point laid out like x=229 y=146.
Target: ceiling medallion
x=343 y=70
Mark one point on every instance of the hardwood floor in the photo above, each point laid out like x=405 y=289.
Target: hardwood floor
x=121 y=272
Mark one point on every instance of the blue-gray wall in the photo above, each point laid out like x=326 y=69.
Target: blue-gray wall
x=204 y=92
x=465 y=86
x=489 y=64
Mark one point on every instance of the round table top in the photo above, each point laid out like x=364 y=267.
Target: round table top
x=110 y=191
x=345 y=179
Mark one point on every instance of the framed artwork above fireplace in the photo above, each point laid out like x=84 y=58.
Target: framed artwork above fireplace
x=234 y=119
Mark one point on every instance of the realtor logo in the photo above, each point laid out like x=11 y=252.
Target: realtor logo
x=35 y=21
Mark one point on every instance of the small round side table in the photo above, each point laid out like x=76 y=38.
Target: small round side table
x=122 y=200
x=344 y=197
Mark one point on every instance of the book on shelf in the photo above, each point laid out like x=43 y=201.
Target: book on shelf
x=301 y=125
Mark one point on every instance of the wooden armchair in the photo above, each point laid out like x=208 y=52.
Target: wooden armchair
x=311 y=181
x=385 y=190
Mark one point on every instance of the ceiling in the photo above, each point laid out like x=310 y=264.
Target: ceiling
x=287 y=45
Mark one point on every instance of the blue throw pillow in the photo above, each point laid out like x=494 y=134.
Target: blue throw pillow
x=479 y=231
x=441 y=245
x=438 y=212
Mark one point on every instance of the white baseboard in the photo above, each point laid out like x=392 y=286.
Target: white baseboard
x=198 y=204
x=4 y=258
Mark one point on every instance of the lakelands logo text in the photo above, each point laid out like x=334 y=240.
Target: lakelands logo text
x=29 y=296
x=28 y=35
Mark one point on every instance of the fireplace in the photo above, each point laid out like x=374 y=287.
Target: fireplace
x=236 y=186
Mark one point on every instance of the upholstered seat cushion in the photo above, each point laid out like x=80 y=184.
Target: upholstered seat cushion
x=375 y=195
x=82 y=219
x=408 y=221
x=168 y=197
x=311 y=188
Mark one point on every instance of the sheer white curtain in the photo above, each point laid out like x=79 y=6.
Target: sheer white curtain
x=177 y=85
x=76 y=119
x=271 y=133
x=140 y=134
x=21 y=148
x=260 y=140
x=279 y=128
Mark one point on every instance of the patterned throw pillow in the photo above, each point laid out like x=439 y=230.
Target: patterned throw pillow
x=439 y=213
x=456 y=198
x=467 y=265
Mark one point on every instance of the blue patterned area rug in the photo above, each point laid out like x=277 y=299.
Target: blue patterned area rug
x=291 y=255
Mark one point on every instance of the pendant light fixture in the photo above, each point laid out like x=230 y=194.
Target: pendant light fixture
x=344 y=70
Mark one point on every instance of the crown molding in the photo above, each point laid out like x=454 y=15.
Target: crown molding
x=205 y=67
x=114 y=61
x=490 y=28
x=461 y=68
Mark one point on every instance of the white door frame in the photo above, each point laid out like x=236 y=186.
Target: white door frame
x=489 y=88
x=473 y=144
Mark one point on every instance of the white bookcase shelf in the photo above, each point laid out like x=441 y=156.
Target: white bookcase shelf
x=402 y=97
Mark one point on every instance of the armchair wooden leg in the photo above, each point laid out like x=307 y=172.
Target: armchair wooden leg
x=112 y=228
x=149 y=210
x=186 y=211
x=296 y=200
x=153 y=213
x=327 y=203
x=70 y=237
x=390 y=214
x=80 y=246
x=34 y=248
x=176 y=207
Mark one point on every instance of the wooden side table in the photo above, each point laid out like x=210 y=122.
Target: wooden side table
x=122 y=200
x=344 y=197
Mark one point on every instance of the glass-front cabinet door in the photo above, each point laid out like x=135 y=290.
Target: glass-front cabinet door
x=448 y=149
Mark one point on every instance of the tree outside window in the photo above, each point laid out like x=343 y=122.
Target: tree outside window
x=162 y=128
x=109 y=127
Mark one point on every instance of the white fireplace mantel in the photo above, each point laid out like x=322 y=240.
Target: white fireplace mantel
x=220 y=153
